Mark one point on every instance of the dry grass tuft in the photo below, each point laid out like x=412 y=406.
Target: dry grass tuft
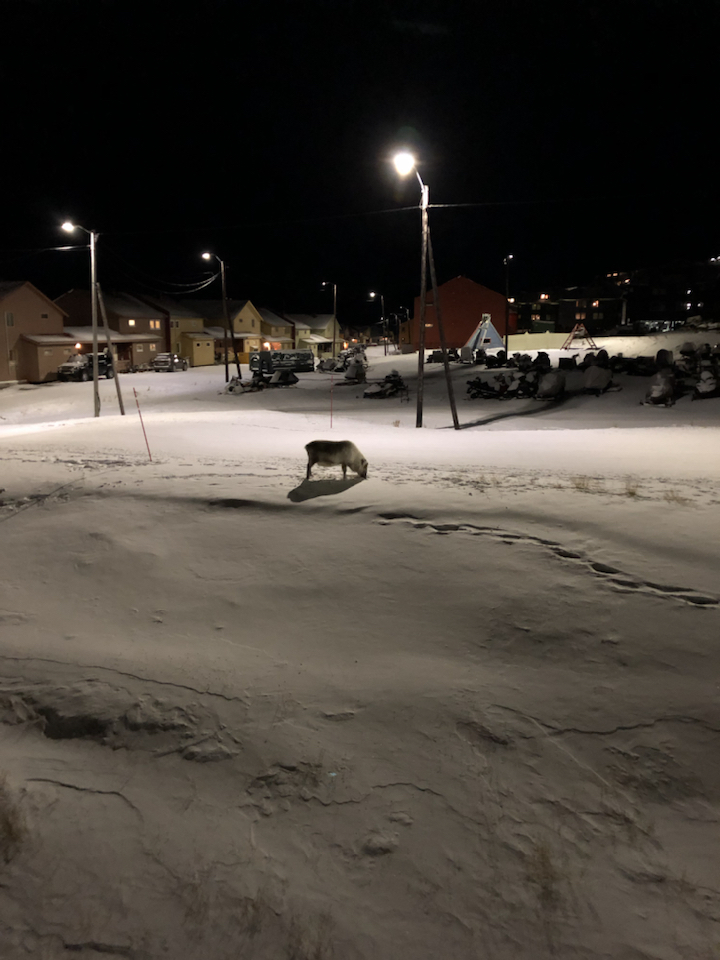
x=631 y=488
x=13 y=828
x=310 y=940
x=672 y=496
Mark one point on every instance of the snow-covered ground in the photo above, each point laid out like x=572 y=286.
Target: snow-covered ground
x=466 y=708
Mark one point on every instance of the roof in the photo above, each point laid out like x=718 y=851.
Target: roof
x=125 y=305
x=314 y=338
x=8 y=286
x=272 y=318
x=218 y=333
x=49 y=339
x=213 y=309
x=183 y=310
x=84 y=335
x=316 y=321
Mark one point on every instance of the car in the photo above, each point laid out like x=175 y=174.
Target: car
x=169 y=362
x=80 y=367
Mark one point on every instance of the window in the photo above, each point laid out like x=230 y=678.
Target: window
x=9 y=319
x=139 y=347
x=154 y=324
x=544 y=296
x=580 y=315
x=252 y=321
x=596 y=303
x=131 y=323
x=43 y=316
x=153 y=346
x=535 y=316
x=11 y=356
x=47 y=353
x=598 y=315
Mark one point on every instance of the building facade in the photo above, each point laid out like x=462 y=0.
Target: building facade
x=463 y=305
x=26 y=312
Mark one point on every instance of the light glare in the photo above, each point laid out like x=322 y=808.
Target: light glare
x=69 y=227
x=404 y=163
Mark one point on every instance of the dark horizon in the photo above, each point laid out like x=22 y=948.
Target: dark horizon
x=579 y=140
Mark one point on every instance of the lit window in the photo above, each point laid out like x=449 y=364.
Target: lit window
x=544 y=296
x=596 y=303
x=131 y=323
x=152 y=346
x=580 y=315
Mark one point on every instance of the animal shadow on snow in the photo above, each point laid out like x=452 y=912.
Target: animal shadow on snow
x=321 y=488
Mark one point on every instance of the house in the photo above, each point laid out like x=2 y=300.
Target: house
x=25 y=312
x=277 y=331
x=319 y=332
x=464 y=304
x=245 y=325
x=143 y=326
x=186 y=329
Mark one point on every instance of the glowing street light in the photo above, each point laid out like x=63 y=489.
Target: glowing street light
x=70 y=227
x=210 y=256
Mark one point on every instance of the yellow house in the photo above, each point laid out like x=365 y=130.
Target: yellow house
x=277 y=331
x=186 y=326
x=245 y=325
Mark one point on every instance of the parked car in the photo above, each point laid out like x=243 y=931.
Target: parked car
x=80 y=367
x=169 y=362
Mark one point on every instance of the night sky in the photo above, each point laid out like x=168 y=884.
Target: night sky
x=582 y=138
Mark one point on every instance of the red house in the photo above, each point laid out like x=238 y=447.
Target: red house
x=463 y=305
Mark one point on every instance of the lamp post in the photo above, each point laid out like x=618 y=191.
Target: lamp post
x=69 y=228
x=208 y=256
x=506 y=261
x=404 y=164
x=328 y=283
x=383 y=320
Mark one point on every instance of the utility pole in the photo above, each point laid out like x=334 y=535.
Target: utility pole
x=101 y=301
x=506 y=261
x=423 y=285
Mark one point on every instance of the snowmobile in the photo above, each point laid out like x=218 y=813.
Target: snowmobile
x=597 y=379
x=551 y=385
x=493 y=389
x=661 y=392
x=707 y=386
x=391 y=386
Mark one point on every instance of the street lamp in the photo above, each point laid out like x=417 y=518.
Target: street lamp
x=69 y=228
x=506 y=261
x=328 y=283
x=209 y=256
x=405 y=163
x=373 y=296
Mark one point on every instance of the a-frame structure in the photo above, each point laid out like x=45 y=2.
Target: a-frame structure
x=579 y=332
x=485 y=336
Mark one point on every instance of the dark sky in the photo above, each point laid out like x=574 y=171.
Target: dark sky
x=583 y=134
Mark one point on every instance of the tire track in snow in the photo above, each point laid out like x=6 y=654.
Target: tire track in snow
x=614 y=576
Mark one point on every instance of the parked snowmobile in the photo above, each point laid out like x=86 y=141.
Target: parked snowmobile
x=494 y=389
x=597 y=379
x=662 y=389
x=551 y=385
x=392 y=385
x=707 y=386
